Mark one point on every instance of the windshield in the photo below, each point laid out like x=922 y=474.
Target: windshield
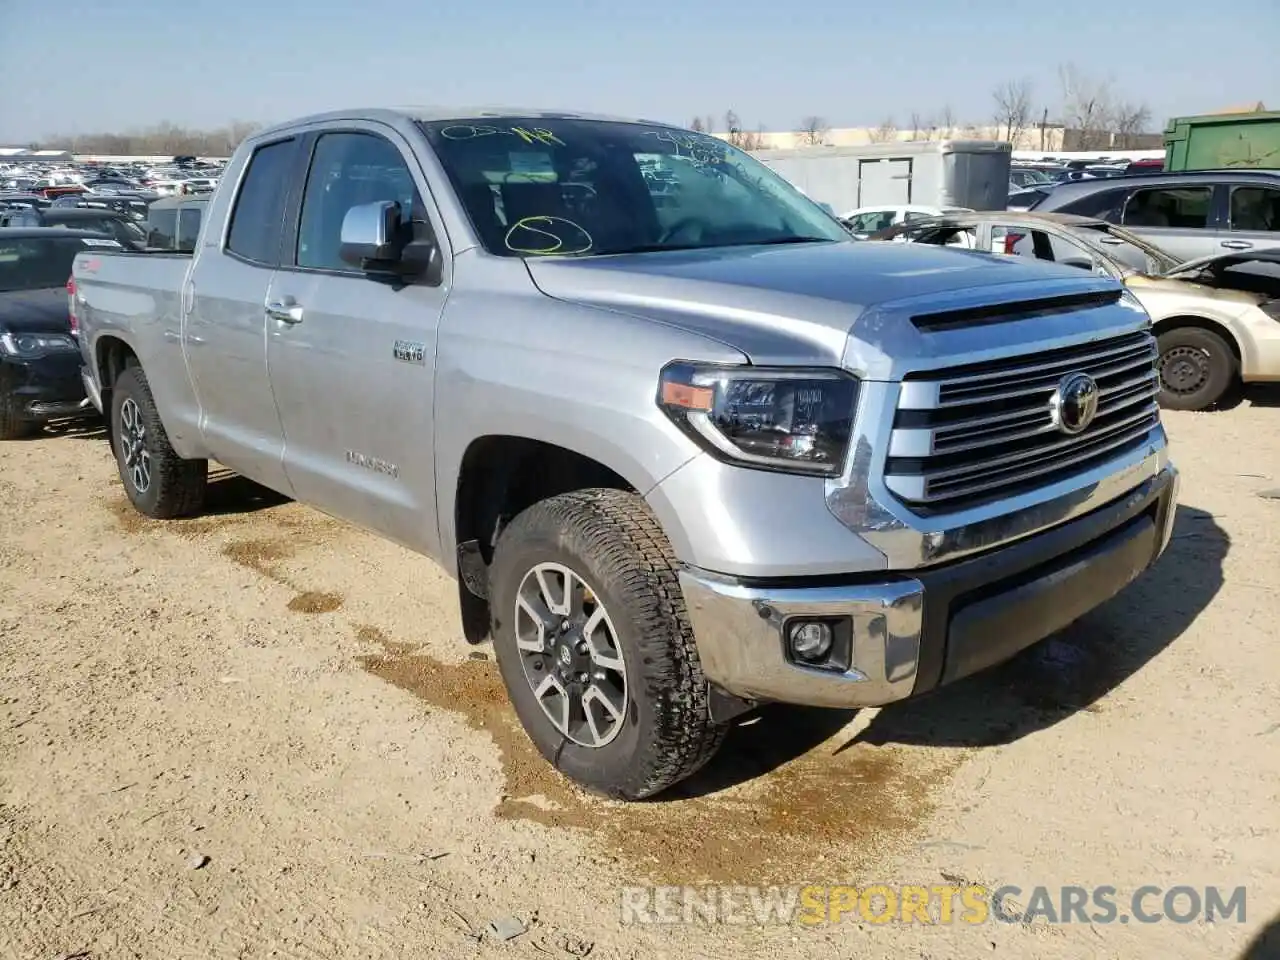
x=1128 y=250
x=537 y=187
x=31 y=263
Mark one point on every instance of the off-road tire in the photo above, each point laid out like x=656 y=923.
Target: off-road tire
x=1220 y=374
x=13 y=427
x=177 y=485
x=613 y=540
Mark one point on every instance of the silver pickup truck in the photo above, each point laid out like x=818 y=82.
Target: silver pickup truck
x=686 y=445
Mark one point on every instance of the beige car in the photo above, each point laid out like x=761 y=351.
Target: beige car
x=1217 y=319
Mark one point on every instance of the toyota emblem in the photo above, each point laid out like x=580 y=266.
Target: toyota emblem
x=1074 y=403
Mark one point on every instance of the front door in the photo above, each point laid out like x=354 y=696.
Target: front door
x=1253 y=218
x=352 y=359
x=1177 y=219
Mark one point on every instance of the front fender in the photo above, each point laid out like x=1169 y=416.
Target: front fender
x=579 y=378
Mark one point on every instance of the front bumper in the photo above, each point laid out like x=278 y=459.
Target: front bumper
x=907 y=634
x=45 y=388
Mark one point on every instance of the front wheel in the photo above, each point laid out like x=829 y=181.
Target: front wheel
x=12 y=426
x=595 y=647
x=1197 y=368
x=158 y=482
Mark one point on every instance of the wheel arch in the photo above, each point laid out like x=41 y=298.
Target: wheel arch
x=1211 y=324
x=111 y=355
x=499 y=476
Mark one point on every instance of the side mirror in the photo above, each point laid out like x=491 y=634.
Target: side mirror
x=372 y=235
x=376 y=239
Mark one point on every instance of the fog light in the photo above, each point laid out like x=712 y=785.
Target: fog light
x=809 y=639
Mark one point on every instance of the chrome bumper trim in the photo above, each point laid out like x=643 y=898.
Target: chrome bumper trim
x=91 y=389
x=739 y=636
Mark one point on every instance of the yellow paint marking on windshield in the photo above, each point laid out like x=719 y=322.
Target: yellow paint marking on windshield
x=537 y=135
x=533 y=228
x=470 y=131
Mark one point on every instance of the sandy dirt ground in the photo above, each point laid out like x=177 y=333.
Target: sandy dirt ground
x=258 y=733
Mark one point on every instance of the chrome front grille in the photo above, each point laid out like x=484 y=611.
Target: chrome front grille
x=978 y=432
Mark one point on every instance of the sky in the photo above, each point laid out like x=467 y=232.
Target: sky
x=115 y=65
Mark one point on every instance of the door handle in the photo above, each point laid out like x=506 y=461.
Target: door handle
x=284 y=311
x=1237 y=244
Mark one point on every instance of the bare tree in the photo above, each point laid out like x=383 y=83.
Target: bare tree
x=917 y=127
x=1129 y=121
x=733 y=128
x=886 y=132
x=710 y=124
x=946 y=122
x=696 y=125
x=164 y=139
x=1013 y=108
x=813 y=131
x=1087 y=107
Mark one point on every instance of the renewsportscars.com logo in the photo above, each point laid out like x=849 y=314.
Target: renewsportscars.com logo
x=972 y=904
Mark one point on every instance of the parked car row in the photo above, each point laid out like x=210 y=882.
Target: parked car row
x=1216 y=318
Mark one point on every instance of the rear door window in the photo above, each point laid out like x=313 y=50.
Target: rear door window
x=1180 y=208
x=257 y=218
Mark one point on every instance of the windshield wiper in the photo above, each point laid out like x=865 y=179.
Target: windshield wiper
x=660 y=247
x=653 y=248
x=779 y=240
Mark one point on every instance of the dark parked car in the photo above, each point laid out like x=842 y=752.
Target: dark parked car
x=39 y=355
x=15 y=200
x=121 y=227
x=1028 y=198
x=1191 y=215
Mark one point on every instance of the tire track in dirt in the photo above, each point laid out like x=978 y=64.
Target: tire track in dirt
x=833 y=809
x=791 y=794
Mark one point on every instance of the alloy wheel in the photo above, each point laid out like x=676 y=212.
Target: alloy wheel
x=571 y=655
x=133 y=446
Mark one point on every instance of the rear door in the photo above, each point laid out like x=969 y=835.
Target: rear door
x=224 y=333
x=1253 y=217
x=352 y=367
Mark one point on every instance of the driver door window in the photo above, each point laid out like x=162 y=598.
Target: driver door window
x=872 y=221
x=1255 y=210
x=347 y=170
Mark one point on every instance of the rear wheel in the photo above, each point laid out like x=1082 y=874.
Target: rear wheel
x=158 y=482
x=1197 y=368
x=595 y=647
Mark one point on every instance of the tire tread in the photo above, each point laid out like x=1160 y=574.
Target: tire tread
x=180 y=483
x=625 y=538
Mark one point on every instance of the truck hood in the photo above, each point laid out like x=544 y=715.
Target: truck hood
x=831 y=303
x=35 y=311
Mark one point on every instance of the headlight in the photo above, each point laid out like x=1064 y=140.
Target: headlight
x=29 y=346
x=798 y=421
